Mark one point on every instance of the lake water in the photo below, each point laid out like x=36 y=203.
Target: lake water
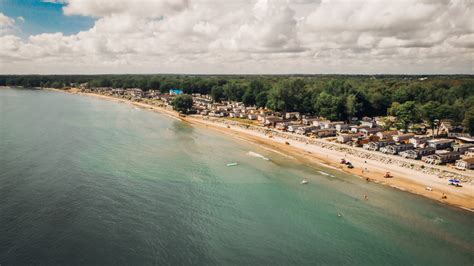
x=90 y=181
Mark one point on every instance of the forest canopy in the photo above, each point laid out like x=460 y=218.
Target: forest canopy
x=337 y=97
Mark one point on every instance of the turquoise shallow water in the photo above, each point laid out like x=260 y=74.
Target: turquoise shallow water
x=88 y=181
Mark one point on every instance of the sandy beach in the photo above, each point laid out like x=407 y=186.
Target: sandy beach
x=405 y=179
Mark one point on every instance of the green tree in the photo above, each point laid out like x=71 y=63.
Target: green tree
x=468 y=122
x=154 y=84
x=182 y=103
x=217 y=93
x=353 y=105
x=261 y=99
x=328 y=106
x=393 y=109
x=407 y=114
x=233 y=91
x=248 y=98
x=279 y=98
x=429 y=113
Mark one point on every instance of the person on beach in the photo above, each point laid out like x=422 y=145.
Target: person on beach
x=366 y=197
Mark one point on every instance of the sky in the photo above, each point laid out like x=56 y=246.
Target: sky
x=237 y=36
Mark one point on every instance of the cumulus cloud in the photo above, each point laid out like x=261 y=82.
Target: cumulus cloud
x=141 y=8
x=253 y=36
x=6 y=23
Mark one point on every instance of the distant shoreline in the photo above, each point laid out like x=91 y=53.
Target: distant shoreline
x=405 y=179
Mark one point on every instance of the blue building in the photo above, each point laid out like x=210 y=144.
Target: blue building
x=176 y=92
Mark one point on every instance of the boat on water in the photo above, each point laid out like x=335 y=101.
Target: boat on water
x=232 y=164
x=304 y=182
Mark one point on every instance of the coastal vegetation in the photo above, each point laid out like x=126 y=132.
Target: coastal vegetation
x=337 y=97
x=182 y=103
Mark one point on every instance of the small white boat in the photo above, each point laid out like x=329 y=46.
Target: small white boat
x=232 y=164
x=304 y=182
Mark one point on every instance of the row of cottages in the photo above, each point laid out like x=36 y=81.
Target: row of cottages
x=376 y=145
x=417 y=153
x=465 y=163
x=395 y=149
x=441 y=157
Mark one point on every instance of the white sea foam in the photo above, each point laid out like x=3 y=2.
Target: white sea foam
x=254 y=154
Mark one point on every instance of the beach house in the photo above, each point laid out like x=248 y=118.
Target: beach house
x=324 y=133
x=395 y=149
x=416 y=154
x=292 y=115
x=387 y=134
x=305 y=129
x=368 y=123
x=309 y=120
x=403 y=137
x=272 y=120
x=446 y=126
x=441 y=158
x=418 y=141
x=465 y=163
x=344 y=138
x=321 y=122
x=175 y=92
x=293 y=127
x=463 y=148
x=366 y=132
x=252 y=116
x=342 y=127
x=356 y=129
x=376 y=145
x=440 y=143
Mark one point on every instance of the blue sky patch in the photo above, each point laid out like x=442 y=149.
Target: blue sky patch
x=43 y=17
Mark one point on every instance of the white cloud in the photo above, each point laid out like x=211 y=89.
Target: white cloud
x=6 y=21
x=253 y=36
x=6 y=24
x=141 y=8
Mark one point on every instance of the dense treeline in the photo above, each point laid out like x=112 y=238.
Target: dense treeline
x=410 y=98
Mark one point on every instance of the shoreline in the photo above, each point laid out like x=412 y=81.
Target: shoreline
x=405 y=179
